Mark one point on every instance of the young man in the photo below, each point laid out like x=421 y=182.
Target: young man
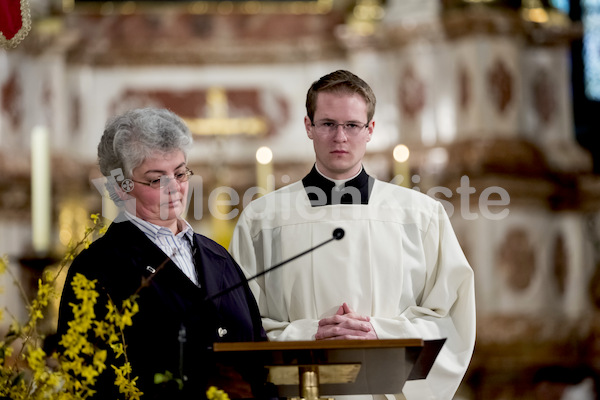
x=399 y=272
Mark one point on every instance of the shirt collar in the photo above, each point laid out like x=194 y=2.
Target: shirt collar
x=315 y=181
x=153 y=231
x=339 y=182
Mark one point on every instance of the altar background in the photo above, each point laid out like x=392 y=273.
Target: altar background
x=487 y=95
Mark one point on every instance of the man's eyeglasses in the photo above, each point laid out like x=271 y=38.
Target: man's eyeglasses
x=330 y=128
x=164 y=180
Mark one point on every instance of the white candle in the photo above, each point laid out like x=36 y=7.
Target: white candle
x=401 y=167
x=40 y=190
x=264 y=170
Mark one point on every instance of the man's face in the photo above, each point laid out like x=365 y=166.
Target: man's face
x=339 y=154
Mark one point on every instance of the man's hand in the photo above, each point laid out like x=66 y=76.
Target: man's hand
x=345 y=324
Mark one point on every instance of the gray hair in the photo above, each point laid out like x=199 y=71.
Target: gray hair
x=133 y=136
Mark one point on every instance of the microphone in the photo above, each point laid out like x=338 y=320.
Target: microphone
x=338 y=233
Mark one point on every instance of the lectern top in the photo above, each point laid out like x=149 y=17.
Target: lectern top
x=318 y=345
x=367 y=366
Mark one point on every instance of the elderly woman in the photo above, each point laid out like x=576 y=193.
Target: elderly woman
x=153 y=251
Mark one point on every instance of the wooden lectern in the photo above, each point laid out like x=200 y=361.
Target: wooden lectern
x=309 y=369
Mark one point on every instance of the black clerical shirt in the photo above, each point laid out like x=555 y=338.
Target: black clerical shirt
x=322 y=191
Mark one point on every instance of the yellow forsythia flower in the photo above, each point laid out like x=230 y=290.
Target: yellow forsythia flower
x=69 y=375
x=125 y=385
x=3 y=264
x=213 y=393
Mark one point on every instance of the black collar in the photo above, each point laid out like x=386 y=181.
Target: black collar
x=321 y=191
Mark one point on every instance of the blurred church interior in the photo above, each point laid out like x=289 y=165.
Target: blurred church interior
x=491 y=106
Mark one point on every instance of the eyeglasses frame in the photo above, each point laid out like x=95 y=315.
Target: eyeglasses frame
x=334 y=129
x=167 y=181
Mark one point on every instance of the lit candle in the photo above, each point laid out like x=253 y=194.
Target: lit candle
x=264 y=170
x=40 y=190
x=401 y=167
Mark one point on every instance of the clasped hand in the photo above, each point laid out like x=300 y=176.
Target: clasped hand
x=345 y=324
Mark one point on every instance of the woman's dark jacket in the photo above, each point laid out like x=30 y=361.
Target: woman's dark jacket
x=173 y=311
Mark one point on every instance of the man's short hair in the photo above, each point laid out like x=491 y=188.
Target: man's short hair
x=340 y=81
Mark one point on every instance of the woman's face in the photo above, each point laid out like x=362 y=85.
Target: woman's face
x=160 y=206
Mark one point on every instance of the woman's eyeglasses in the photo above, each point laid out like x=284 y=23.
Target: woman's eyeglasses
x=164 y=180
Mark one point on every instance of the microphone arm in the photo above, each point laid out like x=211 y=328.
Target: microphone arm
x=338 y=233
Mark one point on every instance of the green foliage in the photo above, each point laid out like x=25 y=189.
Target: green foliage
x=168 y=378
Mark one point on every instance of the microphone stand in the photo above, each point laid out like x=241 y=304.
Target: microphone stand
x=337 y=234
